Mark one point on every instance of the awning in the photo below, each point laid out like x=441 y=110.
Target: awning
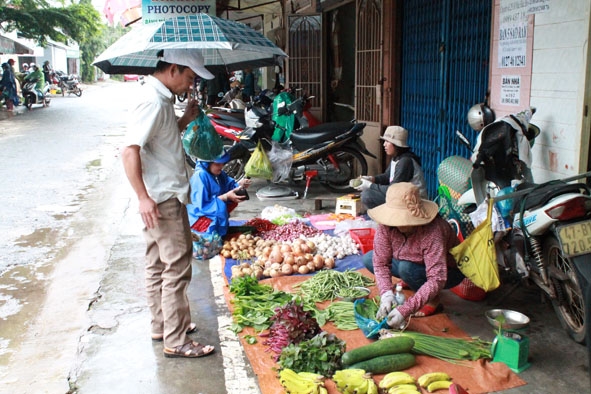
x=13 y=47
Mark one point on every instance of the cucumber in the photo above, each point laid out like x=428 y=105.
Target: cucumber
x=386 y=364
x=383 y=347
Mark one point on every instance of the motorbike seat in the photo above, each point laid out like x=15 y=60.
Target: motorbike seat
x=542 y=193
x=307 y=137
x=228 y=121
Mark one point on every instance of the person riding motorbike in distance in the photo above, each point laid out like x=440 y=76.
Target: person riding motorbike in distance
x=404 y=167
x=36 y=75
x=412 y=243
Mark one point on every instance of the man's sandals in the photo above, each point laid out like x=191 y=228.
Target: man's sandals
x=158 y=337
x=190 y=349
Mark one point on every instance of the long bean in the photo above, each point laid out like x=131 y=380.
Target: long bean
x=342 y=314
x=326 y=284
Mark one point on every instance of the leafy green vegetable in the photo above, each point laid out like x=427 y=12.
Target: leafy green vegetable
x=254 y=303
x=320 y=354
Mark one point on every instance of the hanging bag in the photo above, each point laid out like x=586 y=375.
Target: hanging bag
x=201 y=140
x=476 y=255
x=259 y=166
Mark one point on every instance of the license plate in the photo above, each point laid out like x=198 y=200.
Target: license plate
x=575 y=238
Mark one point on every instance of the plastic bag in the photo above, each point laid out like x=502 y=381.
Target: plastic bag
x=280 y=215
x=281 y=157
x=259 y=166
x=201 y=140
x=206 y=245
x=370 y=328
x=476 y=255
x=343 y=227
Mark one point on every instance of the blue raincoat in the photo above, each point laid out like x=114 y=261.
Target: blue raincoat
x=205 y=189
x=8 y=84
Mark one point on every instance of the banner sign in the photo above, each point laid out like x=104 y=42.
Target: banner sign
x=159 y=10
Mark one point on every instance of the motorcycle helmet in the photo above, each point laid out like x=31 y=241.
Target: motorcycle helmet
x=32 y=65
x=480 y=115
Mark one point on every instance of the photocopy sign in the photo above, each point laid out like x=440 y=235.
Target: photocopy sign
x=513 y=16
x=510 y=89
x=159 y=10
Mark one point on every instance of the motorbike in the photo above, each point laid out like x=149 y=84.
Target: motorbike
x=31 y=95
x=546 y=236
x=68 y=83
x=333 y=153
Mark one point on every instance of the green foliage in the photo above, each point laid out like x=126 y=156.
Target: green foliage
x=38 y=20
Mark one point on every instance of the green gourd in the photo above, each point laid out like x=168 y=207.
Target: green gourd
x=382 y=347
x=386 y=364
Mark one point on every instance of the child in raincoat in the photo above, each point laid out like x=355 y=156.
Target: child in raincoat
x=214 y=194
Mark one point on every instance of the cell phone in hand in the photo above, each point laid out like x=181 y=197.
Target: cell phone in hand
x=242 y=192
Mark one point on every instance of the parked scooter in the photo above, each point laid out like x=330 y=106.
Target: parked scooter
x=32 y=96
x=546 y=240
x=332 y=153
x=68 y=83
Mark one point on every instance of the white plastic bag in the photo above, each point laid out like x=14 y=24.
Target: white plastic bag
x=478 y=216
x=281 y=157
x=344 y=226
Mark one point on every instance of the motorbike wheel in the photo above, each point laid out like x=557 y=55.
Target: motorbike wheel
x=78 y=92
x=28 y=102
x=570 y=304
x=352 y=164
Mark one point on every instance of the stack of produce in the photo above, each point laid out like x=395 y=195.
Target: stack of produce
x=398 y=382
x=354 y=381
x=291 y=324
x=326 y=285
x=320 y=354
x=383 y=356
x=254 y=303
x=302 y=382
x=452 y=350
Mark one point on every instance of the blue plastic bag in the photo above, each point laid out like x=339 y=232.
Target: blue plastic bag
x=370 y=328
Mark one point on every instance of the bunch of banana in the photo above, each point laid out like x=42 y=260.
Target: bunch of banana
x=302 y=382
x=398 y=383
x=434 y=381
x=354 y=381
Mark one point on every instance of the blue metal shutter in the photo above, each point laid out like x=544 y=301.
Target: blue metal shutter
x=445 y=67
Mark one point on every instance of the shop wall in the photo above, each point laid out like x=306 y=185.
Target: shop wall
x=553 y=81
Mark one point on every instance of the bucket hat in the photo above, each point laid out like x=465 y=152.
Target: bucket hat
x=404 y=207
x=396 y=135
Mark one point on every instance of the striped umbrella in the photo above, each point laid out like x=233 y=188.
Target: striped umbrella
x=222 y=42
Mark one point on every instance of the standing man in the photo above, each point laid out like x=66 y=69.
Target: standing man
x=154 y=163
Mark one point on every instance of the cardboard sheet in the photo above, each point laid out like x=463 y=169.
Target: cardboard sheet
x=476 y=376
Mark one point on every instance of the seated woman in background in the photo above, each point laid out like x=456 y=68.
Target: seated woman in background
x=405 y=166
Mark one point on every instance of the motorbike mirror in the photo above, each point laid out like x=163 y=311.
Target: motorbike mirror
x=463 y=139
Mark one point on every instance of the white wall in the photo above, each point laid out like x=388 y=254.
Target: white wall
x=558 y=88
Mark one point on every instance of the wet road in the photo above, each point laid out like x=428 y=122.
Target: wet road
x=73 y=317
x=55 y=160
